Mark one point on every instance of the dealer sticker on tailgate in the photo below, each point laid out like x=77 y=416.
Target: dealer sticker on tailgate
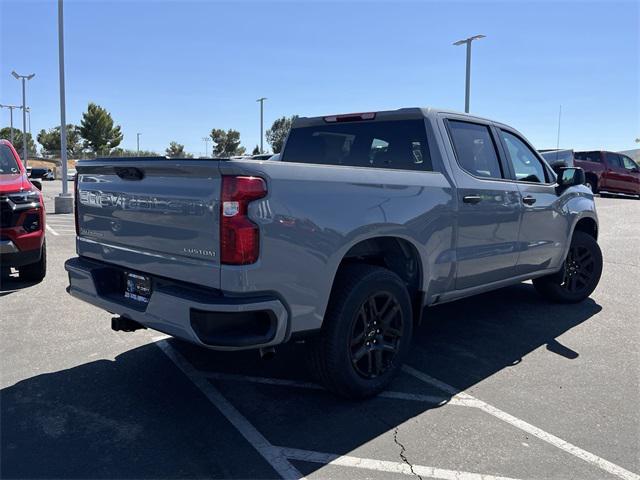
x=137 y=287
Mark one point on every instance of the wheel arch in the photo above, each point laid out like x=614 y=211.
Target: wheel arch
x=398 y=254
x=594 y=180
x=588 y=225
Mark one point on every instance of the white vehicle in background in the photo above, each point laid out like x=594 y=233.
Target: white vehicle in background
x=262 y=156
x=558 y=157
x=71 y=174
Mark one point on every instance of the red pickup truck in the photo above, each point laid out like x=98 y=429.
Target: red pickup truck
x=22 y=242
x=609 y=172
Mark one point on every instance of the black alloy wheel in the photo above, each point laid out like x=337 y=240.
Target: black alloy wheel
x=376 y=334
x=579 y=275
x=366 y=332
x=579 y=269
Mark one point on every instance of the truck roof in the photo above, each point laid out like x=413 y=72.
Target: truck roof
x=408 y=113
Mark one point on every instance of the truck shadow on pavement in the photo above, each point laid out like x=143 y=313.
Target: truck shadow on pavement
x=12 y=283
x=140 y=417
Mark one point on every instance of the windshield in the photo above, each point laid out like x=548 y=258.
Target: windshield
x=8 y=163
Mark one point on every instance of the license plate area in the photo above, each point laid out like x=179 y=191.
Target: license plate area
x=137 y=287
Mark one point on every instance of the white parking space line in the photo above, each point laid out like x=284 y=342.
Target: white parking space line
x=53 y=232
x=384 y=466
x=277 y=456
x=270 y=453
x=433 y=399
x=527 y=427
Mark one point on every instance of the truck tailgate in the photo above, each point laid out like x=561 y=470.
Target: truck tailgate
x=155 y=216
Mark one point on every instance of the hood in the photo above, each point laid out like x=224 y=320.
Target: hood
x=14 y=182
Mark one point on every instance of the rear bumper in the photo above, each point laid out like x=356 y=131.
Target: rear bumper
x=205 y=317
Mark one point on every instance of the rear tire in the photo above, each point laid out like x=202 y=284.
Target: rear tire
x=579 y=275
x=591 y=185
x=35 y=272
x=366 y=333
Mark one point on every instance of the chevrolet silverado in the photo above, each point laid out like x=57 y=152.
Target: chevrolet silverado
x=342 y=241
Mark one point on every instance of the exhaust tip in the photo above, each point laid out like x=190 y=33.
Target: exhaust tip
x=124 y=324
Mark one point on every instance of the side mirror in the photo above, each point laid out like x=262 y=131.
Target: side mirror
x=36 y=184
x=570 y=176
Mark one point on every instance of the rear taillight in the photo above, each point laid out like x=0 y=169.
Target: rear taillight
x=239 y=236
x=75 y=203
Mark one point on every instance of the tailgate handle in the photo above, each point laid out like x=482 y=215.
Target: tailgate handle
x=129 y=173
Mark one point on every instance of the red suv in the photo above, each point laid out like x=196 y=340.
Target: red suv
x=22 y=243
x=609 y=172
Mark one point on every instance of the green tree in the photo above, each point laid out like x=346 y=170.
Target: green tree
x=256 y=151
x=227 y=143
x=50 y=141
x=98 y=131
x=278 y=132
x=176 y=150
x=17 y=141
x=125 y=152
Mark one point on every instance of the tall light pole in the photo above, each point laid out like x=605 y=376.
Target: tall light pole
x=467 y=88
x=206 y=141
x=138 y=143
x=11 y=108
x=261 y=100
x=24 y=79
x=63 y=203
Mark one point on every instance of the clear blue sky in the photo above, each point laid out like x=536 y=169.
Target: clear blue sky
x=174 y=70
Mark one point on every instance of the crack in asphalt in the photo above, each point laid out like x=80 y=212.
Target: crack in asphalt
x=402 y=452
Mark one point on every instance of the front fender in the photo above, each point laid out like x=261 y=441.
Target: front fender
x=580 y=205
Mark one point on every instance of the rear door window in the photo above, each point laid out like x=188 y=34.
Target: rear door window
x=400 y=144
x=475 y=149
x=614 y=160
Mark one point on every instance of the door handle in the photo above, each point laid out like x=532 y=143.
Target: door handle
x=473 y=199
x=529 y=200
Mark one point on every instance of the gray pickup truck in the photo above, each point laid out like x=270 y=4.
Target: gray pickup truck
x=362 y=221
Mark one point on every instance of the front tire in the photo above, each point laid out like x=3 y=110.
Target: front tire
x=35 y=272
x=366 y=333
x=579 y=275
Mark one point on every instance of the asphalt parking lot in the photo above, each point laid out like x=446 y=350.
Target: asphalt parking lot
x=503 y=385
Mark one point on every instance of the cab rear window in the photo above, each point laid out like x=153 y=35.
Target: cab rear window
x=400 y=144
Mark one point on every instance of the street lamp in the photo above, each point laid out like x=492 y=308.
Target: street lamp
x=261 y=100
x=138 y=144
x=63 y=203
x=24 y=78
x=467 y=89
x=11 y=108
x=206 y=141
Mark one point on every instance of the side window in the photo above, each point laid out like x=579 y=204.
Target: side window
x=475 y=149
x=614 y=160
x=628 y=163
x=588 y=156
x=526 y=165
